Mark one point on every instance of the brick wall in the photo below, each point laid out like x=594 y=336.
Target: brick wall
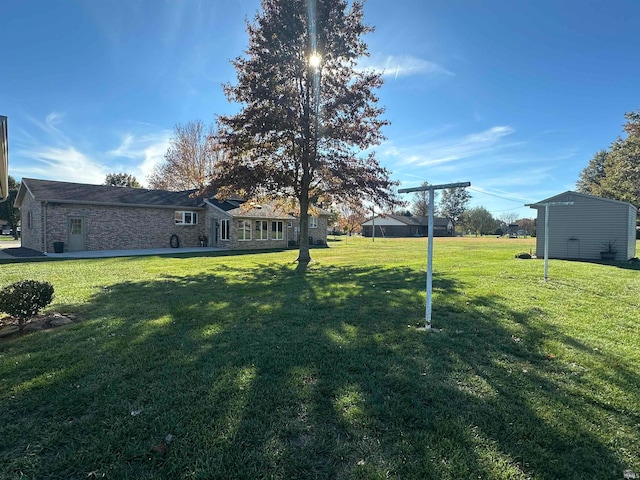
x=119 y=228
x=254 y=243
x=31 y=235
x=318 y=233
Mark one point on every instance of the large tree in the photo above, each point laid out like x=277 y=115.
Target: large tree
x=590 y=180
x=191 y=160
x=616 y=173
x=121 y=180
x=309 y=115
x=420 y=203
x=528 y=225
x=351 y=216
x=621 y=179
x=8 y=212
x=480 y=221
x=453 y=204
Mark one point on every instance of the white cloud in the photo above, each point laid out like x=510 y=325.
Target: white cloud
x=402 y=66
x=53 y=120
x=146 y=151
x=445 y=151
x=520 y=178
x=55 y=156
x=50 y=126
x=64 y=164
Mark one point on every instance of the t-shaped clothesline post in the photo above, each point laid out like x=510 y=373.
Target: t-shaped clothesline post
x=431 y=189
x=546 y=206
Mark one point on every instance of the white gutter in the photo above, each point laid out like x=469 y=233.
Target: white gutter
x=4 y=159
x=44 y=206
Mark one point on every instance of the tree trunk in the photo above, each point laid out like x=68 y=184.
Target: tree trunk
x=303 y=254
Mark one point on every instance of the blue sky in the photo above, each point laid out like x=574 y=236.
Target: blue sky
x=514 y=96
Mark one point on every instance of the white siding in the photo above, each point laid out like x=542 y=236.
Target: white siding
x=579 y=231
x=631 y=245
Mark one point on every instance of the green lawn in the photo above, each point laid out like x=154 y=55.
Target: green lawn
x=259 y=372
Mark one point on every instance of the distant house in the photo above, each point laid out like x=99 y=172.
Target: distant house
x=403 y=226
x=584 y=229
x=98 y=217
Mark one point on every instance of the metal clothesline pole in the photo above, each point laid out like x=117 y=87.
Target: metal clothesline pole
x=431 y=189
x=546 y=206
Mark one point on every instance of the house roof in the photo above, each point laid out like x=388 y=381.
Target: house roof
x=67 y=192
x=227 y=205
x=86 y=194
x=563 y=197
x=414 y=221
x=266 y=210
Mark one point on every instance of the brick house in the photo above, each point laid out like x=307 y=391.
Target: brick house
x=81 y=217
x=390 y=225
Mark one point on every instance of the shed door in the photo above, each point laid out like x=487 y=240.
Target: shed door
x=76 y=234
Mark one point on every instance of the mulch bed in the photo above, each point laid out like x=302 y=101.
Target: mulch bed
x=44 y=321
x=23 y=252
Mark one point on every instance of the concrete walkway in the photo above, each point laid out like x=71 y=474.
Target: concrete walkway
x=8 y=244
x=134 y=253
x=109 y=253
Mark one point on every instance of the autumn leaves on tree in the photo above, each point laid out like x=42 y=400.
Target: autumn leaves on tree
x=307 y=112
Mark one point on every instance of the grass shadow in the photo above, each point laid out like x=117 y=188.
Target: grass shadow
x=266 y=373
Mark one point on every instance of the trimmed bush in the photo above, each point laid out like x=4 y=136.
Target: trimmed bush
x=26 y=298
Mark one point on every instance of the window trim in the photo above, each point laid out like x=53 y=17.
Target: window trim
x=183 y=215
x=275 y=231
x=262 y=231
x=225 y=228
x=313 y=221
x=242 y=227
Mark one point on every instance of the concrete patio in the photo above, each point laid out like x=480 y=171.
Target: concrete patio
x=108 y=253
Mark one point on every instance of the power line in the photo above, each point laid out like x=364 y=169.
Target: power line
x=498 y=196
x=507 y=210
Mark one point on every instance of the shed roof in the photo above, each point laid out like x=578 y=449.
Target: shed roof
x=562 y=197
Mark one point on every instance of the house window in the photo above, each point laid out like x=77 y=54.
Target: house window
x=313 y=222
x=244 y=230
x=262 y=232
x=75 y=226
x=224 y=229
x=29 y=220
x=186 y=218
x=276 y=230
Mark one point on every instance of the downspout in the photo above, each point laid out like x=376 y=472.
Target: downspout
x=44 y=234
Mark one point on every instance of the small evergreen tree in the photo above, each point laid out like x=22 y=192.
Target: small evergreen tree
x=25 y=299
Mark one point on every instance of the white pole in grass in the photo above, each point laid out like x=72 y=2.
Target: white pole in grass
x=546 y=206
x=432 y=197
x=373 y=219
x=431 y=189
x=546 y=243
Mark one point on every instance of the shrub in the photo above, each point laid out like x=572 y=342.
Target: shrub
x=26 y=298
x=523 y=255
